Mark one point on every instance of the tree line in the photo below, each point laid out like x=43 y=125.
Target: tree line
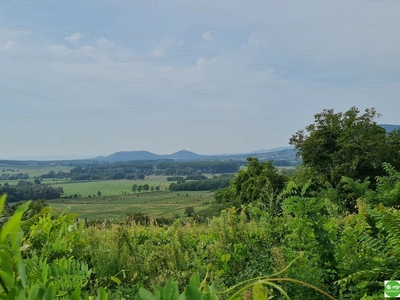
x=137 y=170
x=145 y=188
x=18 y=176
x=188 y=168
x=189 y=177
x=27 y=190
x=210 y=184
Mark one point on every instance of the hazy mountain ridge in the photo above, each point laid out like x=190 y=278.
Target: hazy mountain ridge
x=280 y=153
x=286 y=153
x=389 y=127
x=146 y=155
x=277 y=154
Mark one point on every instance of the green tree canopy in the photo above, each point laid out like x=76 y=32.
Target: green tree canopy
x=347 y=144
x=257 y=182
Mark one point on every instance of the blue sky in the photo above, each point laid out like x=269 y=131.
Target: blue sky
x=85 y=78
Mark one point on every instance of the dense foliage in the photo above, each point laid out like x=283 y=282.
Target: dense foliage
x=18 y=176
x=27 y=190
x=192 y=167
x=138 y=170
x=347 y=144
x=202 y=184
x=258 y=182
x=195 y=177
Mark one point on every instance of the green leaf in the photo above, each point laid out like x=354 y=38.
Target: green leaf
x=33 y=293
x=195 y=280
x=193 y=293
x=116 y=280
x=61 y=293
x=101 y=294
x=22 y=295
x=76 y=295
x=225 y=258
x=210 y=293
x=2 y=202
x=21 y=271
x=12 y=295
x=12 y=227
x=7 y=279
x=259 y=291
x=170 y=291
x=50 y=293
x=44 y=273
x=146 y=295
x=159 y=291
x=6 y=261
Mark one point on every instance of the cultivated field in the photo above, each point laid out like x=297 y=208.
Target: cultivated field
x=116 y=207
x=31 y=170
x=106 y=187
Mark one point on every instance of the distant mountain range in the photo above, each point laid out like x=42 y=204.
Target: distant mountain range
x=272 y=150
x=146 y=155
x=281 y=153
x=286 y=154
x=389 y=127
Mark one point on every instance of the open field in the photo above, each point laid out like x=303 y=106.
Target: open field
x=117 y=207
x=286 y=167
x=31 y=170
x=107 y=187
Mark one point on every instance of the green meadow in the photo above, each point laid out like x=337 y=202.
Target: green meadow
x=116 y=207
x=31 y=170
x=106 y=187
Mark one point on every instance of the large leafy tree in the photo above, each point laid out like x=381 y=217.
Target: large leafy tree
x=258 y=182
x=346 y=144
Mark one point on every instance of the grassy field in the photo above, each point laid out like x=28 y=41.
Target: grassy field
x=107 y=187
x=31 y=170
x=116 y=207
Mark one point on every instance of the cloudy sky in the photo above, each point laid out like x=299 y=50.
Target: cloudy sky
x=81 y=78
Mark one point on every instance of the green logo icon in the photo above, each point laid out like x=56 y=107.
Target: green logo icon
x=392 y=289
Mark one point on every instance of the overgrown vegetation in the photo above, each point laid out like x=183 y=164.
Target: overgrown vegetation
x=210 y=184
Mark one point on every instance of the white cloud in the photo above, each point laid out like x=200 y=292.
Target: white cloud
x=57 y=49
x=103 y=43
x=207 y=36
x=74 y=38
x=162 y=47
x=10 y=45
x=181 y=43
x=200 y=62
x=256 y=39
